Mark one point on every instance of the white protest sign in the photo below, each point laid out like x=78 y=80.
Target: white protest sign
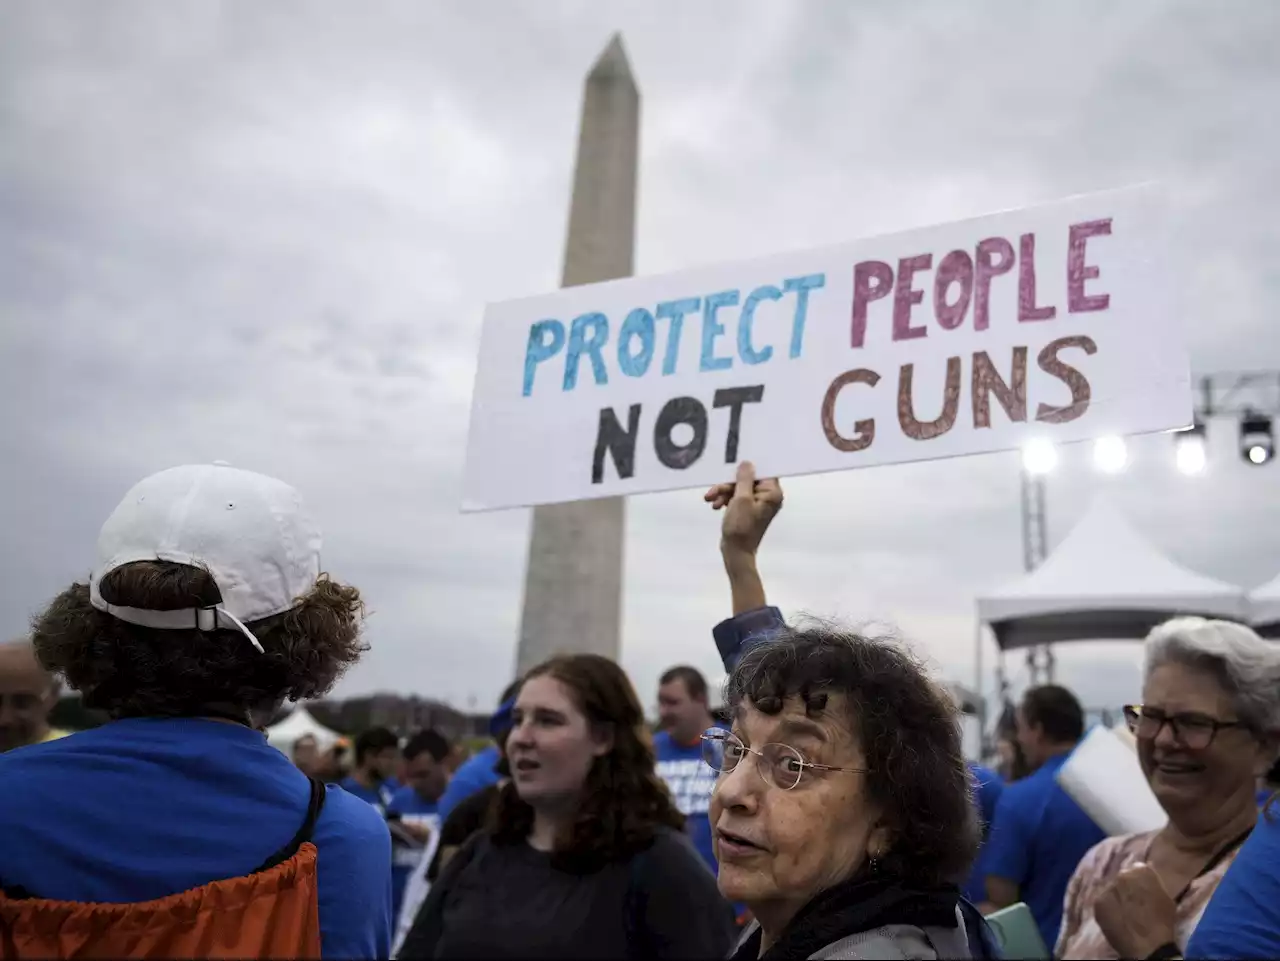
x=1053 y=321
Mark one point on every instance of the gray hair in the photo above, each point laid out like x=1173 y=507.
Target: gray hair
x=1246 y=666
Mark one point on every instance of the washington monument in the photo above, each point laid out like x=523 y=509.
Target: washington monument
x=573 y=580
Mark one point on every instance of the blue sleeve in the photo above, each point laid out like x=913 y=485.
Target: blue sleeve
x=354 y=879
x=990 y=787
x=475 y=774
x=1242 y=919
x=1007 y=853
x=738 y=633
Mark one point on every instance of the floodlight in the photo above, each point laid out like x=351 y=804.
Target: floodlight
x=1189 y=449
x=1110 y=455
x=1257 y=445
x=1039 y=457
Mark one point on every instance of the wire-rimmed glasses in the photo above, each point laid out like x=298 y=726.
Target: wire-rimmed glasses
x=779 y=765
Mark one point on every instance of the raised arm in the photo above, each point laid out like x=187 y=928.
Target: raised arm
x=749 y=507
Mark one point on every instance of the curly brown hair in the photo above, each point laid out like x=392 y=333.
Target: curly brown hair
x=132 y=671
x=624 y=801
x=909 y=729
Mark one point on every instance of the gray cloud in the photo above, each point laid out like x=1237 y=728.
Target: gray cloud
x=265 y=233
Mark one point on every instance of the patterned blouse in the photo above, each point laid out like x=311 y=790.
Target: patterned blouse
x=1081 y=937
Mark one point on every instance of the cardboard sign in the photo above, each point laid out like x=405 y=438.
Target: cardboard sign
x=974 y=336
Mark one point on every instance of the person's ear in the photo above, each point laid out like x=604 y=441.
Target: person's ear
x=602 y=740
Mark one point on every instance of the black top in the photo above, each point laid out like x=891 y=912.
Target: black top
x=508 y=901
x=465 y=820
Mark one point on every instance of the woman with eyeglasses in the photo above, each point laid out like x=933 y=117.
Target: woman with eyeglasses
x=1206 y=730
x=842 y=815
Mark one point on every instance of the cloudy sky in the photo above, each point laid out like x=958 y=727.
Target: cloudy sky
x=265 y=233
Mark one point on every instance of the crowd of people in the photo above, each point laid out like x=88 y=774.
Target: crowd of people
x=827 y=811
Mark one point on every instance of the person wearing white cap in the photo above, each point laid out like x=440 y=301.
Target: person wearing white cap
x=207 y=609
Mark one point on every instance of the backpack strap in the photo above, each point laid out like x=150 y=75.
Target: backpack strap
x=314 y=806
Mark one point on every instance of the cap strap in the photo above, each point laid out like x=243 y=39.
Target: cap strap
x=206 y=619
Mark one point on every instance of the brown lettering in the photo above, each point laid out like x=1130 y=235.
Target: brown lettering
x=864 y=430
x=927 y=430
x=1075 y=381
x=987 y=380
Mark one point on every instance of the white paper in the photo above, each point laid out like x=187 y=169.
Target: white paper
x=1104 y=777
x=792 y=328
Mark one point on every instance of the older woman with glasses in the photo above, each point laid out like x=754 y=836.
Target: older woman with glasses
x=841 y=815
x=1207 y=728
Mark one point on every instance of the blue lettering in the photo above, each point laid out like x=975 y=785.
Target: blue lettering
x=675 y=310
x=598 y=326
x=639 y=323
x=541 y=348
x=802 y=286
x=712 y=328
x=746 y=350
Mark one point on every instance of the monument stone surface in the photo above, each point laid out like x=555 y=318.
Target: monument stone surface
x=573 y=580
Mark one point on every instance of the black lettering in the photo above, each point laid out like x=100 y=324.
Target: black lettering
x=680 y=410
x=734 y=398
x=621 y=444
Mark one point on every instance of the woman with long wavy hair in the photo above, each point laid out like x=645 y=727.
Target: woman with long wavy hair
x=583 y=855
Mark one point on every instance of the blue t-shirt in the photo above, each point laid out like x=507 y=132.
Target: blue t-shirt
x=475 y=774
x=1036 y=841
x=412 y=809
x=144 y=808
x=691 y=782
x=379 y=796
x=989 y=788
x=1242 y=919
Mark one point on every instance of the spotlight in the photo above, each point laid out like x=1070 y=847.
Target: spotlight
x=1257 y=445
x=1189 y=450
x=1110 y=455
x=1039 y=457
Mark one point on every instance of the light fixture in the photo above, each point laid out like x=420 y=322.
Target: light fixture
x=1257 y=445
x=1039 y=457
x=1110 y=455
x=1189 y=449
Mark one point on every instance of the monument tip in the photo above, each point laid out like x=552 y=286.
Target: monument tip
x=613 y=63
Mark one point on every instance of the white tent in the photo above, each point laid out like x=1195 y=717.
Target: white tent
x=1264 y=608
x=1103 y=582
x=300 y=723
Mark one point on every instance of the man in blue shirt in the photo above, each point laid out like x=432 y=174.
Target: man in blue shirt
x=684 y=713
x=377 y=754
x=412 y=812
x=481 y=769
x=1039 y=833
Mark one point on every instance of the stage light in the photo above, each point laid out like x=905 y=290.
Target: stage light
x=1110 y=455
x=1039 y=457
x=1189 y=450
x=1257 y=445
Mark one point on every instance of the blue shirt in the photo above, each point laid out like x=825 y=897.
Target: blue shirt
x=989 y=788
x=144 y=808
x=475 y=774
x=691 y=782
x=412 y=809
x=1037 y=839
x=1242 y=919
x=379 y=796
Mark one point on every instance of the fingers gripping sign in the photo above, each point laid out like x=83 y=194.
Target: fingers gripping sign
x=750 y=506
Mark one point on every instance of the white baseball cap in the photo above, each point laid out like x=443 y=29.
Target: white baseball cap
x=250 y=532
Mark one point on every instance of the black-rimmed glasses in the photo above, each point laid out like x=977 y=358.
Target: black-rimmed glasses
x=779 y=765
x=1191 y=730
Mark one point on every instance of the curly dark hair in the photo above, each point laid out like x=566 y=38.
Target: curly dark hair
x=907 y=725
x=132 y=671
x=623 y=801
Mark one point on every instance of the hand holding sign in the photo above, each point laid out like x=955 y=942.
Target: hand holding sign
x=751 y=507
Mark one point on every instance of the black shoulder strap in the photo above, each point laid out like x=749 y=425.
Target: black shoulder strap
x=314 y=807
